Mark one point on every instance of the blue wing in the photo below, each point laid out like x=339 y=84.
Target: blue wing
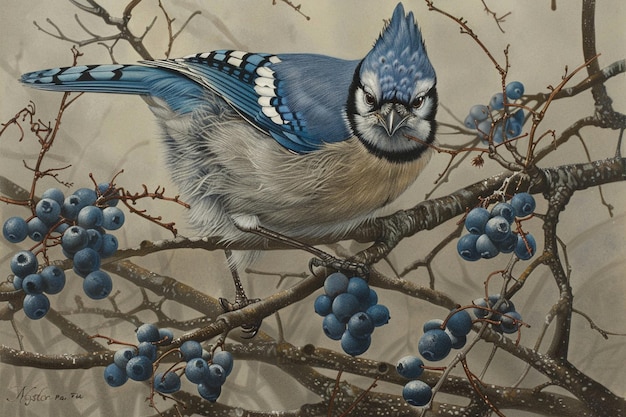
x=298 y=99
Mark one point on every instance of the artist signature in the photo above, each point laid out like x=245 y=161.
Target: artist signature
x=29 y=394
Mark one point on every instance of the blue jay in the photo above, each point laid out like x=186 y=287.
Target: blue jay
x=302 y=145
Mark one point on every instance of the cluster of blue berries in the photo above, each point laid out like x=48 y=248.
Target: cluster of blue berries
x=439 y=338
x=80 y=226
x=491 y=232
x=507 y=318
x=481 y=118
x=207 y=371
x=351 y=312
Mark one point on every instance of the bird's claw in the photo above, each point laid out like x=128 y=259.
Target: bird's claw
x=343 y=265
x=248 y=330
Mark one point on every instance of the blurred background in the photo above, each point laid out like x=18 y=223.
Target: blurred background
x=103 y=134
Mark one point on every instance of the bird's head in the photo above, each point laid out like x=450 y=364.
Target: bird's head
x=393 y=94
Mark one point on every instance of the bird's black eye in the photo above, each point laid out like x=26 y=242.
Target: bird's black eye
x=369 y=98
x=417 y=102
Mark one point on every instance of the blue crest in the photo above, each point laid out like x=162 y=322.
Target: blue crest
x=399 y=58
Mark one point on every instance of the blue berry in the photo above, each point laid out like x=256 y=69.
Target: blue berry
x=524 y=204
x=165 y=336
x=508 y=244
x=518 y=116
x=24 y=263
x=33 y=284
x=432 y=324
x=37 y=229
x=74 y=239
x=509 y=323
x=525 y=249
x=208 y=392
x=497 y=229
x=484 y=128
x=109 y=245
x=113 y=218
x=122 y=356
x=87 y=196
x=470 y=122
x=360 y=325
x=513 y=128
x=335 y=284
x=97 y=285
x=505 y=210
x=107 y=190
x=190 y=350
x=417 y=393
x=54 y=279
x=86 y=261
x=139 y=368
x=410 y=367
x=36 y=306
x=95 y=239
x=379 y=314
x=17 y=282
x=459 y=323
x=148 y=350
x=54 y=194
x=480 y=312
x=48 y=211
x=354 y=346
x=197 y=370
x=114 y=375
x=476 y=220
x=90 y=217
x=333 y=328
x=466 y=247
x=479 y=112
x=434 y=345
x=486 y=247
x=497 y=101
x=147 y=332
x=15 y=229
x=457 y=341
x=359 y=288
x=216 y=375
x=323 y=305
x=344 y=306
x=71 y=206
x=514 y=90
x=167 y=383
x=225 y=360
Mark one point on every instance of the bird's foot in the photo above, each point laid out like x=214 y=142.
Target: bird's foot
x=343 y=265
x=241 y=301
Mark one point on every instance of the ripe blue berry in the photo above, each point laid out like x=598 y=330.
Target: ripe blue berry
x=37 y=229
x=95 y=239
x=513 y=128
x=165 y=336
x=108 y=190
x=417 y=393
x=15 y=229
x=74 y=239
x=36 y=306
x=484 y=129
x=216 y=375
x=148 y=332
x=71 y=206
x=432 y=324
x=476 y=220
x=148 y=350
x=470 y=122
x=24 y=263
x=33 y=284
x=54 y=194
x=497 y=102
x=497 y=229
x=17 y=282
x=480 y=312
x=87 y=196
x=109 y=245
x=459 y=323
x=434 y=345
x=335 y=284
x=123 y=355
x=379 y=314
x=524 y=204
x=114 y=375
x=518 y=116
x=508 y=244
x=525 y=249
x=333 y=328
x=466 y=247
x=190 y=350
x=86 y=261
x=344 y=306
x=208 y=392
x=139 y=368
x=225 y=360
x=90 y=217
x=97 y=285
x=167 y=383
x=410 y=367
x=54 y=279
x=197 y=370
x=112 y=218
x=359 y=288
x=510 y=322
x=354 y=346
x=48 y=211
x=457 y=341
x=360 y=325
x=505 y=210
x=486 y=247
x=514 y=90
x=323 y=304
x=479 y=112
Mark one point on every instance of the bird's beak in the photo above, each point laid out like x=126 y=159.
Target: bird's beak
x=393 y=120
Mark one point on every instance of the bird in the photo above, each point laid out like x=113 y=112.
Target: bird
x=271 y=145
